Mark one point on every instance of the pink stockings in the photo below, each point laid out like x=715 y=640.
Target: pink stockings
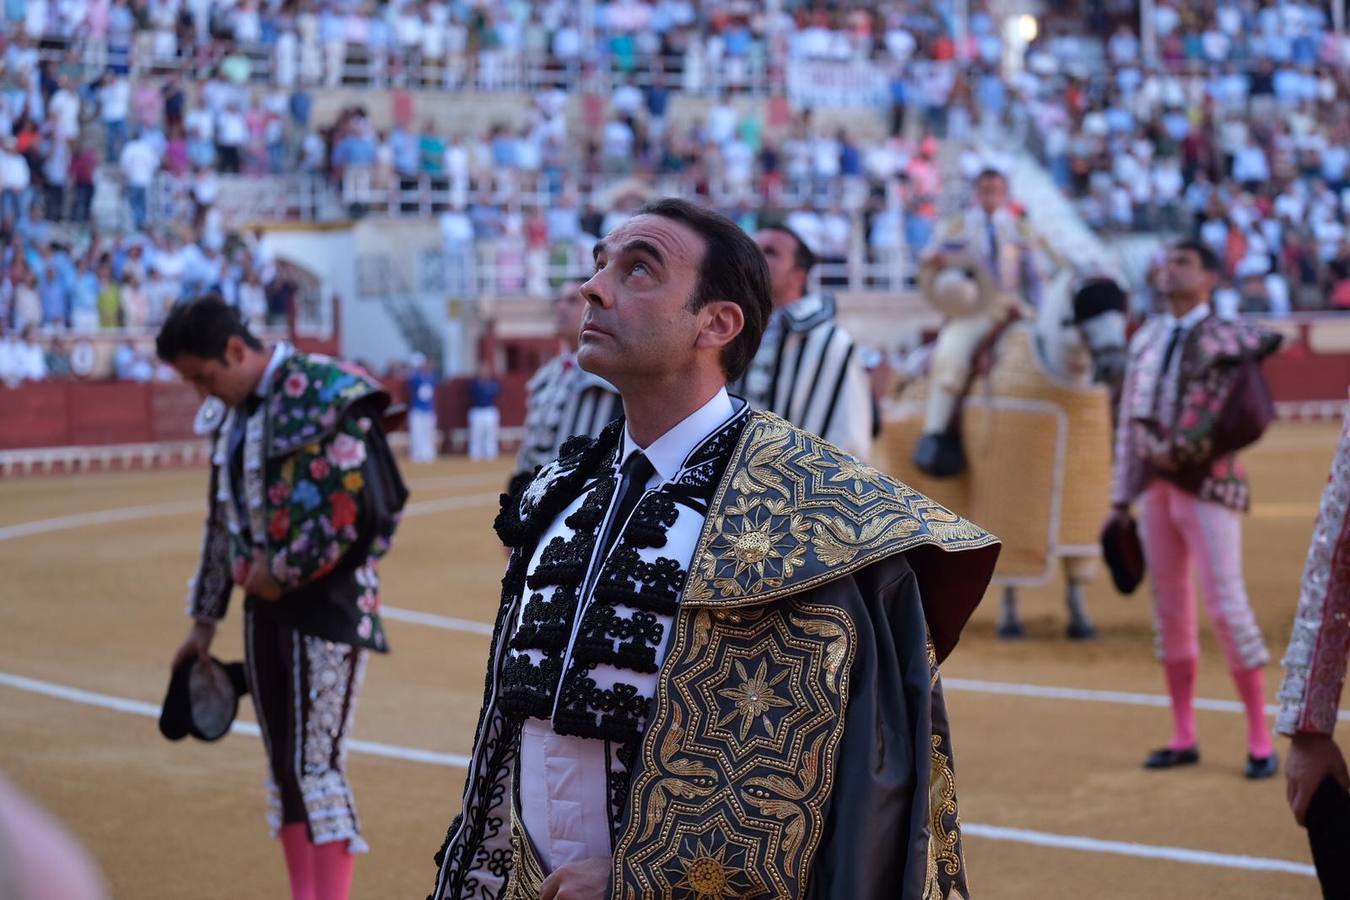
x=322 y=872
x=1184 y=535
x=1251 y=687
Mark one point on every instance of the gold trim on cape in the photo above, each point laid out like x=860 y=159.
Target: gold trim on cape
x=797 y=512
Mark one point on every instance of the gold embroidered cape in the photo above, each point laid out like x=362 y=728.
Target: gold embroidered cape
x=797 y=745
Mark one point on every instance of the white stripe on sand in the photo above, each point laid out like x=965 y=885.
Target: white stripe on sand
x=455 y=760
x=1143 y=851
x=101 y=517
x=1050 y=692
x=182 y=507
x=149 y=710
x=449 y=623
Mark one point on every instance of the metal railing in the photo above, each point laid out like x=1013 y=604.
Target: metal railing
x=491 y=70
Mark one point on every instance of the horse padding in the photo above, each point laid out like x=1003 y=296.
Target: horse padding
x=1040 y=460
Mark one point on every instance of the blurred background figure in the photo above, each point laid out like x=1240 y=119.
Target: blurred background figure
x=484 y=417
x=423 y=437
x=39 y=860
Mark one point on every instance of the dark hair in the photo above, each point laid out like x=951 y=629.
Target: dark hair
x=991 y=172
x=202 y=327
x=1208 y=260
x=802 y=258
x=733 y=269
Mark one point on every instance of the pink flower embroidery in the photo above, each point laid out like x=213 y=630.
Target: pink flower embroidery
x=319 y=468
x=365 y=628
x=295 y=384
x=346 y=452
x=367 y=602
x=278 y=492
x=1189 y=419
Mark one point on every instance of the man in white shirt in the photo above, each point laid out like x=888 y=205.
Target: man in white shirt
x=687 y=614
x=64 y=111
x=15 y=179
x=114 y=101
x=231 y=135
x=139 y=162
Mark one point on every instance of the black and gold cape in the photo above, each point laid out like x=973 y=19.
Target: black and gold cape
x=797 y=745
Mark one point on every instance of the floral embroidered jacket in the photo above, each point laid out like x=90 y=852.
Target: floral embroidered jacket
x=308 y=479
x=1165 y=428
x=797 y=744
x=1314 y=665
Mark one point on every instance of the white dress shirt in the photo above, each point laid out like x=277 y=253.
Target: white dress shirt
x=564 y=803
x=1170 y=387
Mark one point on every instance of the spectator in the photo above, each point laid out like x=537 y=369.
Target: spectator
x=109 y=297
x=130 y=364
x=83 y=165
x=14 y=182
x=231 y=134
x=484 y=416
x=84 y=298
x=52 y=295
x=21 y=358
x=27 y=301
x=57 y=359
x=114 y=100
x=139 y=162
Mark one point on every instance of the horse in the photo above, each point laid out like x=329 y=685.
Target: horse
x=1025 y=449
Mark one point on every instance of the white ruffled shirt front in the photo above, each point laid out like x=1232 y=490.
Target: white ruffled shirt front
x=564 y=803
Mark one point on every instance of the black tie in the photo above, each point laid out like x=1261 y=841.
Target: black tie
x=1171 y=349
x=635 y=473
x=1166 y=364
x=992 y=234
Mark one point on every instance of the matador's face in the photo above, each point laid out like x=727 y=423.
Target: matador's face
x=638 y=326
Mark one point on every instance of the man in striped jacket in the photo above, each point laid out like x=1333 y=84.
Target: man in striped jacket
x=562 y=400
x=807 y=369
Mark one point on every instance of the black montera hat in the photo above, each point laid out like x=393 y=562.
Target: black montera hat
x=202 y=699
x=1124 y=554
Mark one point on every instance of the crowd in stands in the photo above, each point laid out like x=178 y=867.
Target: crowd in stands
x=1236 y=132
x=1234 y=129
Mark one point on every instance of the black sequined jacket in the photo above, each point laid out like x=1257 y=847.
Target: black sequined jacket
x=797 y=744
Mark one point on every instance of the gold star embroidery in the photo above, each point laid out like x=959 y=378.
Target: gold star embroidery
x=710 y=876
x=754 y=698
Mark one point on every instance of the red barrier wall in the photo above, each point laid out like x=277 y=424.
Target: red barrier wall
x=88 y=413
x=85 y=413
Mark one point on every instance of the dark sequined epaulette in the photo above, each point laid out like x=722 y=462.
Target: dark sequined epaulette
x=535 y=501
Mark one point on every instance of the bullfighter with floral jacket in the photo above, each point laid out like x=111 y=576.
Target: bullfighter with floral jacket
x=1180 y=375
x=304 y=499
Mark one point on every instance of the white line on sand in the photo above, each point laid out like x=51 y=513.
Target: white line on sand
x=1143 y=851
x=449 y=623
x=139 y=708
x=455 y=760
x=100 y=517
x=182 y=507
x=1127 y=698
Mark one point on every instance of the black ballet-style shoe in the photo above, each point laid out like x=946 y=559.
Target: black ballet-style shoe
x=1167 y=758
x=1262 y=766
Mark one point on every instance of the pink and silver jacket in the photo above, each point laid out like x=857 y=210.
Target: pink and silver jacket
x=1314 y=664
x=1166 y=425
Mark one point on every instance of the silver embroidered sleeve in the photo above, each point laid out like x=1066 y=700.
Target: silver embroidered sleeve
x=1126 y=458
x=209 y=590
x=1314 y=664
